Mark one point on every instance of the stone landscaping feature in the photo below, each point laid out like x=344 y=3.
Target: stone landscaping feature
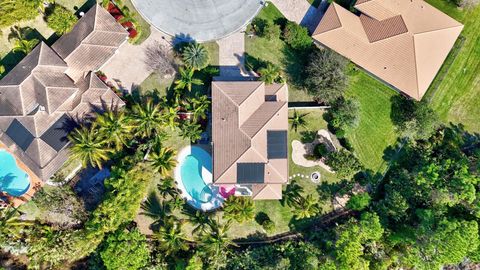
x=301 y=150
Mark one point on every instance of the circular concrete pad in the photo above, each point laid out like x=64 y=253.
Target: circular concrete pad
x=202 y=20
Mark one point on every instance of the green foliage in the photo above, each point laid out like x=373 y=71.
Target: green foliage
x=171 y=238
x=344 y=114
x=306 y=207
x=344 y=163
x=414 y=120
x=320 y=151
x=325 y=75
x=24 y=46
x=297 y=36
x=270 y=74
x=298 y=120
x=163 y=160
x=195 y=56
x=61 y=20
x=125 y=249
x=240 y=209
x=272 y=31
x=13 y=11
x=358 y=202
x=89 y=146
x=186 y=80
x=191 y=131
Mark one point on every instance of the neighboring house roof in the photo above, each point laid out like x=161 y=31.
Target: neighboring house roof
x=92 y=41
x=404 y=43
x=250 y=122
x=40 y=103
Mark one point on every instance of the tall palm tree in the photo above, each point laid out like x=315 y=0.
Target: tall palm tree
x=214 y=241
x=147 y=119
x=269 y=74
x=199 y=106
x=24 y=46
x=186 y=79
x=163 y=160
x=166 y=187
x=240 y=209
x=115 y=127
x=298 y=120
x=158 y=210
x=191 y=131
x=171 y=238
x=89 y=146
x=11 y=224
x=195 y=56
x=307 y=207
x=170 y=116
x=292 y=194
x=198 y=219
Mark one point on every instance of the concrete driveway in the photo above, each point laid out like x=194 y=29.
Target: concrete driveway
x=202 y=20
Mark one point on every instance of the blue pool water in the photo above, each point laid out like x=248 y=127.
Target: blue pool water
x=13 y=180
x=191 y=174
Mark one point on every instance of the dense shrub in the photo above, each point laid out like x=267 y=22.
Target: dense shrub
x=344 y=114
x=297 y=36
x=125 y=249
x=358 y=202
x=60 y=19
x=320 y=151
x=272 y=31
x=325 y=77
x=344 y=163
x=19 y=10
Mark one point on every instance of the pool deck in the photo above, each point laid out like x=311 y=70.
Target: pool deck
x=215 y=202
x=35 y=182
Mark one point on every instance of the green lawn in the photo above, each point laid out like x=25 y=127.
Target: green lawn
x=375 y=131
x=212 y=48
x=276 y=51
x=457 y=98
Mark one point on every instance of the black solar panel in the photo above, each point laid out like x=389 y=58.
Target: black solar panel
x=56 y=135
x=19 y=134
x=276 y=144
x=250 y=173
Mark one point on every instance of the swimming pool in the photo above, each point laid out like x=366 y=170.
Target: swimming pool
x=193 y=176
x=13 y=180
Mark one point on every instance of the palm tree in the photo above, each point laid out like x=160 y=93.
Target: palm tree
x=199 y=106
x=215 y=241
x=158 y=210
x=198 y=219
x=170 y=116
x=240 y=209
x=307 y=207
x=171 y=238
x=163 y=160
x=11 y=224
x=292 y=194
x=269 y=74
x=24 y=46
x=147 y=119
x=115 y=127
x=166 y=187
x=298 y=120
x=89 y=146
x=195 y=56
x=186 y=79
x=191 y=131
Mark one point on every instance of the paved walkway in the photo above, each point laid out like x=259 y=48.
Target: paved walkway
x=232 y=55
x=127 y=67
x=299 y=11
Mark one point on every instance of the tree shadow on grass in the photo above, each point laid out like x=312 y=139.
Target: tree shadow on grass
x=294 y=64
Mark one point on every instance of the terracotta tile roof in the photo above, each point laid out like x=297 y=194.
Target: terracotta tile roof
x=404 y=43
x=267 y=192
x=243 y=112
x=92 y=41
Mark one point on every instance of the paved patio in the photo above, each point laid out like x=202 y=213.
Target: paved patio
x=299 y=11
x=127 y=68
x=232 y=55
x=202 y=20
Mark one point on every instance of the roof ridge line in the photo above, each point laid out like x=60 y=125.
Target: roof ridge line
x=436 y=30
x=256 y=88
x=253 y=136
x=235 y=161
x=417 y=90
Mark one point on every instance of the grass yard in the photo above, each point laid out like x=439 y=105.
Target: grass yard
x=212 y=48
x=276 y=51
x=457 y=97
x=375 y=131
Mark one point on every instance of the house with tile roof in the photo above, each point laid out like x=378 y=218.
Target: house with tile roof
x=250 y=137
x=51 y=89
x=403 y=43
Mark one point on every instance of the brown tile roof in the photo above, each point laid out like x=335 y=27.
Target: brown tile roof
x=404 y=43
x=92 y=41
x=39 y=96
x=243 y=112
